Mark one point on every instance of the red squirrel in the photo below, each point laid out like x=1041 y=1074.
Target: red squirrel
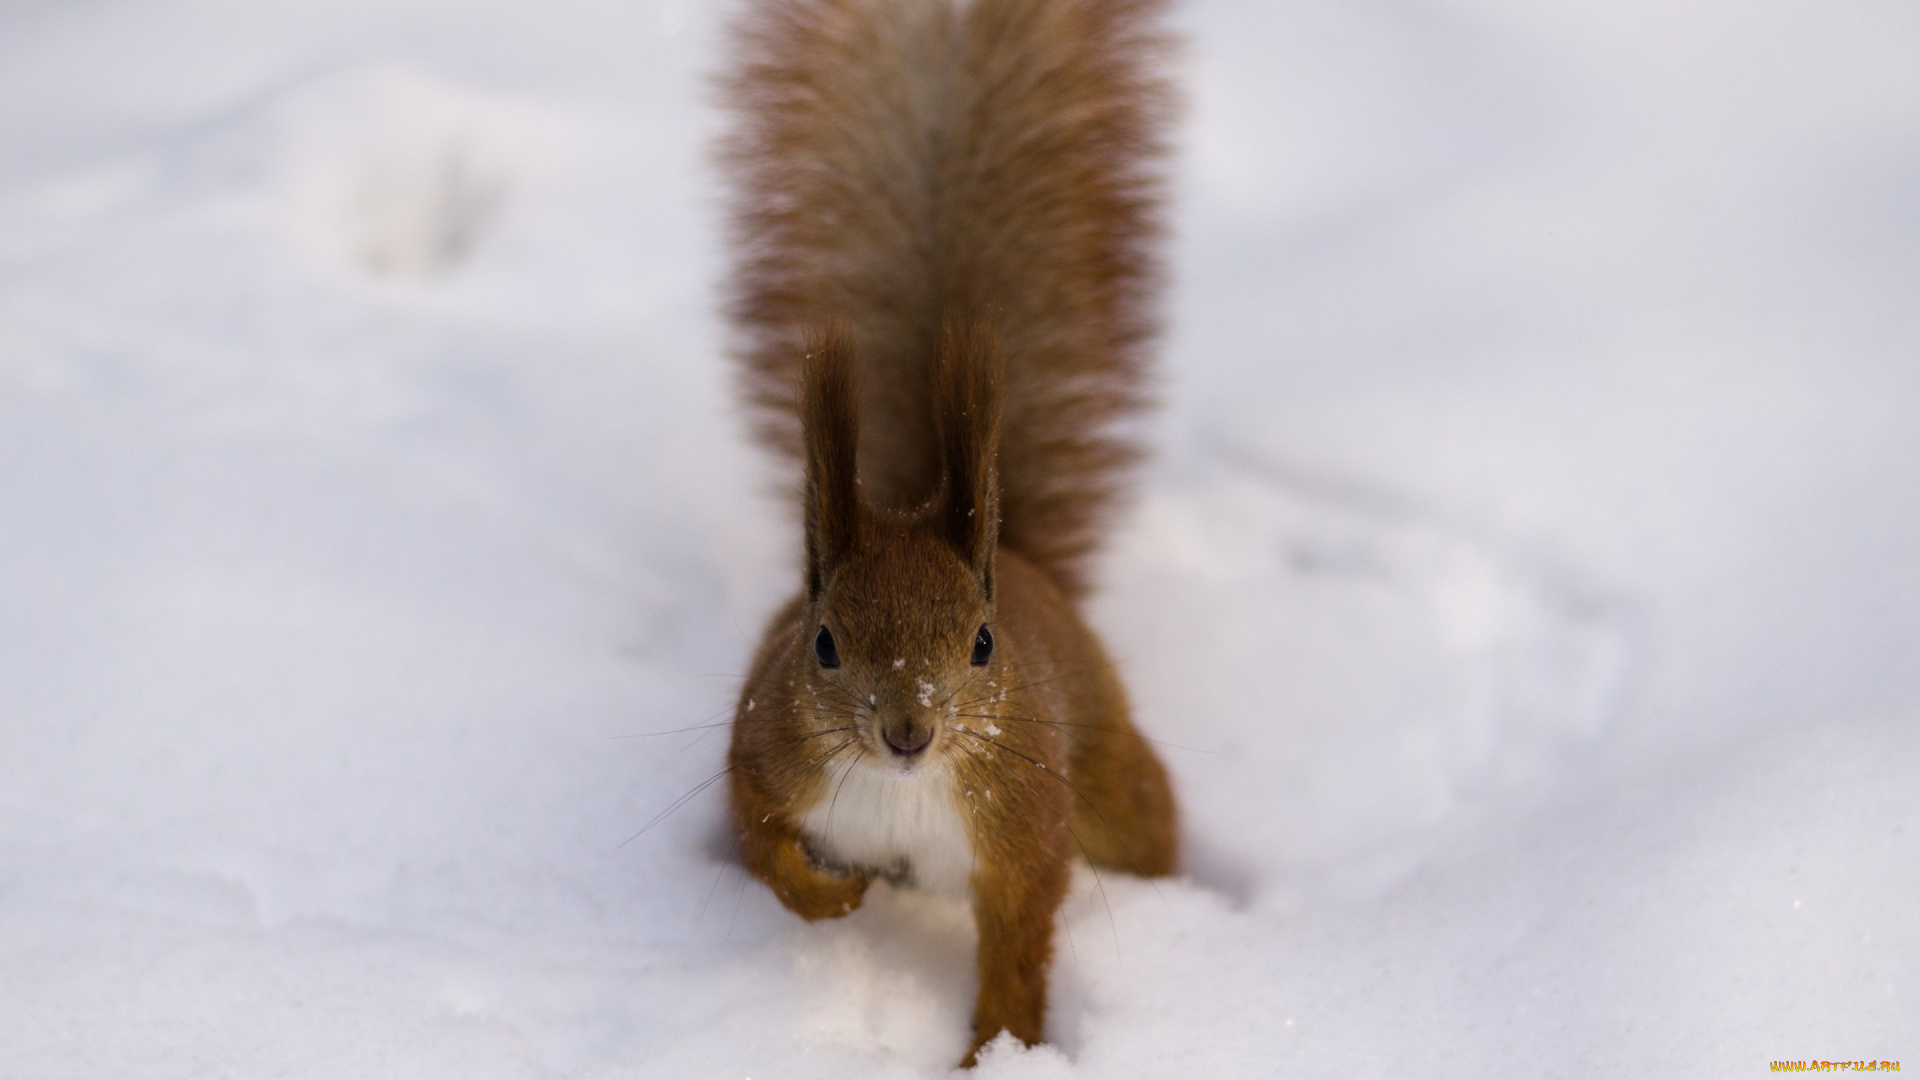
x=945 y=218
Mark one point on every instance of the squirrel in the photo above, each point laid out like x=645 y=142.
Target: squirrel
x=945 y=218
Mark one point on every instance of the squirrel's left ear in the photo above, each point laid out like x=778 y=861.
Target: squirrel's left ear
x=830 y=429
x=966 y=410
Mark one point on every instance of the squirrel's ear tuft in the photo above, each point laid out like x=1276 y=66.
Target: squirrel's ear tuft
x=966 y=410
x=830 y=427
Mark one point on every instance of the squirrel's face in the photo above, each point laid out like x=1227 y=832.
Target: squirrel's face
x=899 y=642
x=899 y=604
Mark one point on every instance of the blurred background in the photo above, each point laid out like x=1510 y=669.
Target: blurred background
x=1528 y=578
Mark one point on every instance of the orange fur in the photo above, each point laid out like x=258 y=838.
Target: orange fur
x=945 y=215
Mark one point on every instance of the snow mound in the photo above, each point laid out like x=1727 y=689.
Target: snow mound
x=392 y=173
x=1400 y=664
x=380 y=170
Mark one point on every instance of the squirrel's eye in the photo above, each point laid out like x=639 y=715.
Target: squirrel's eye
x=982 y=646
x=830 y=656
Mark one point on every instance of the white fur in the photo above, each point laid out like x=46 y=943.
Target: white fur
x=881 y=817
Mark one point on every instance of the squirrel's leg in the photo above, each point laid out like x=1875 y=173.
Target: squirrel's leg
x=1123 y=810
x=1124 y=816
x=1014 y=909
x=774 y=853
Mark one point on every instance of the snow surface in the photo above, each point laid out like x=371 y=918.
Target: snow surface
x=1528 y=587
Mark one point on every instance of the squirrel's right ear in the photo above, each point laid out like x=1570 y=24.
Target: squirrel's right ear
x=830 y=427
x=966 y=409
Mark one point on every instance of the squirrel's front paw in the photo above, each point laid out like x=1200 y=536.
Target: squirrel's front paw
x=815 y=894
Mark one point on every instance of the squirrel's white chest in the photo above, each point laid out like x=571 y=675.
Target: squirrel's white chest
x=884 y=820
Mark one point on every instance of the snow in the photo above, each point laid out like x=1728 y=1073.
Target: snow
x=1527 y=588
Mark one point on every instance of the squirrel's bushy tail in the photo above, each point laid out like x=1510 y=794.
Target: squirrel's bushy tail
x=904 y=166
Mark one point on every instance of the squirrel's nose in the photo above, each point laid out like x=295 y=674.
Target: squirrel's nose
x=907 y=737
